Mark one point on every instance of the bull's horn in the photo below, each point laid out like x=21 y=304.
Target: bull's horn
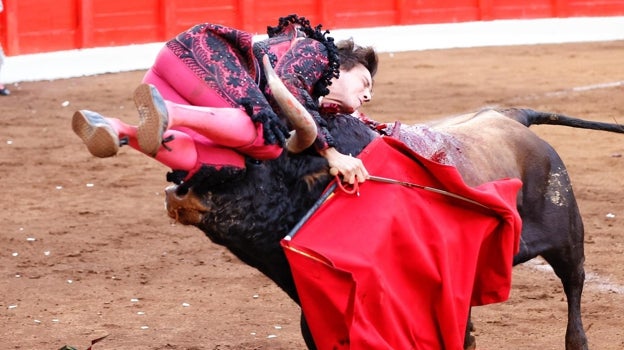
x=301 y=120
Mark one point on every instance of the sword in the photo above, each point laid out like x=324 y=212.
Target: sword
x=426 y=188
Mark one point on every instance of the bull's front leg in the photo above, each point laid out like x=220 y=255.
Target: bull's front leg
x=305 y=332
x=470 y=342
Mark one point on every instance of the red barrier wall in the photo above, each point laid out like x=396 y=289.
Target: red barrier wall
x=32 y=26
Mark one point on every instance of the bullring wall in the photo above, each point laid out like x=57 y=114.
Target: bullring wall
x=35 y=26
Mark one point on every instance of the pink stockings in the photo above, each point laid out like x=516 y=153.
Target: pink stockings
x=205 y=135
x=206 y=129
x=227 y=127
x=185 y=152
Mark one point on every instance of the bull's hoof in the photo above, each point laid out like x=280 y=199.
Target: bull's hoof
x=470 y=343
x=186 y=209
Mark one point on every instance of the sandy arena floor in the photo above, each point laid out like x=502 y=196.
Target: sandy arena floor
x=86 y=248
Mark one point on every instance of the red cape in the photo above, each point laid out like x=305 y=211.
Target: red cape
x=398 y=267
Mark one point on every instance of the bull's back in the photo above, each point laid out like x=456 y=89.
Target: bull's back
x=489 y=146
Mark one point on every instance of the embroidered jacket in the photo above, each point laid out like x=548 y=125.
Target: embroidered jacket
x=228 y=61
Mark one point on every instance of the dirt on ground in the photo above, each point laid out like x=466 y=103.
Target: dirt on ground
x=87 y=249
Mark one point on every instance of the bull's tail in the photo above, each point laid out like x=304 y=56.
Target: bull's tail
x=528 y=117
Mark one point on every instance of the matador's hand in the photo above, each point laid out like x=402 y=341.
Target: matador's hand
x=352 y=169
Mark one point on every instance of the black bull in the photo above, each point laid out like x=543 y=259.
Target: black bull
x=250 y=213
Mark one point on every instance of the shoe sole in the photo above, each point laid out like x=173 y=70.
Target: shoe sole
x=100 y=138
x=153 y=119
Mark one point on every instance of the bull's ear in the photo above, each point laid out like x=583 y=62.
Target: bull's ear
x=312 y=170
x=316 y=179
x=305 y=131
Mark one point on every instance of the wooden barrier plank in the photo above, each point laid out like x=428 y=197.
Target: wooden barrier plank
x=368 y=13
x=8 y=27
x=84 y=30
x=42 y=26
x=444 y=11
x=511 y=9
x=595 y=8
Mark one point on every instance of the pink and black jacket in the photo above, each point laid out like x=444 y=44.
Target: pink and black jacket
x=228 y=61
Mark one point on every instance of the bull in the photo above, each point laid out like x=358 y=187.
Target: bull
x=250 y=213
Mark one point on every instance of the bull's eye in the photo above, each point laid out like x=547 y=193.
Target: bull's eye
x=256 y=162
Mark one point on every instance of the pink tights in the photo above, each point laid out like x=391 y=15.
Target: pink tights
x=187 y=152
x=212 y=136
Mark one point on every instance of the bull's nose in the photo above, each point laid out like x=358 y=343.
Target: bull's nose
x=186 y=209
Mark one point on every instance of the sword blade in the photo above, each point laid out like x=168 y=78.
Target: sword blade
x=426 y=188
